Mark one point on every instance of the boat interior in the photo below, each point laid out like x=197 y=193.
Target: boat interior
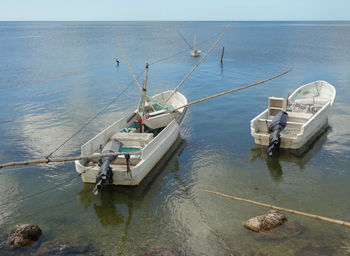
x=132 y=141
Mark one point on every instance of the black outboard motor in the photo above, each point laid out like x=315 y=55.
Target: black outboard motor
x=105 y=175
x=278 y=123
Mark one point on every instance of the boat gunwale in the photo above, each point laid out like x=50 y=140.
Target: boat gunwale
x=331 y=87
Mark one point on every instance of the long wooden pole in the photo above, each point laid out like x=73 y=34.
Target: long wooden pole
x=199 y=62
x=127 y=62
x=64 y=159
x=144 y=100
x=312 y=216
x=234 y=90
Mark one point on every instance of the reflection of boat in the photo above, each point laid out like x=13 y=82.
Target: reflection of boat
x=195 y=52
x=106 y=204
x=125 y=136
x=300 y=157
x=307 y=110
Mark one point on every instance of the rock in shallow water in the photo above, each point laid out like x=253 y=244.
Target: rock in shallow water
x=160 y=252
x=24 y=235
x=315 y=251
x=61 y=246
x=289 y=229
x=265 y=222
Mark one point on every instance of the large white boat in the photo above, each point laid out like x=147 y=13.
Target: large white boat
x=146 y=148
x=306 y=112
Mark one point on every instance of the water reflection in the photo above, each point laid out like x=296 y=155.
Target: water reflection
x=115 y=205
x=300 y=157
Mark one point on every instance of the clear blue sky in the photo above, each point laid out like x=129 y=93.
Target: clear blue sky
x=175 y=10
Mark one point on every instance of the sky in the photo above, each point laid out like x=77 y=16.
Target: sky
x=144 y=10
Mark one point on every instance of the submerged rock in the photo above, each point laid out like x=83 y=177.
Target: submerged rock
x=315 y=251
x=61 y=246
x=289 y=229
x=265 y=222
x=159 y=252
x=24 y=235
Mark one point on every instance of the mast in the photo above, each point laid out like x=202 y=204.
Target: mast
x=194 y=41
x=144 y=100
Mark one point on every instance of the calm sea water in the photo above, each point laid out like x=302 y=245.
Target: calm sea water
x=55 y=76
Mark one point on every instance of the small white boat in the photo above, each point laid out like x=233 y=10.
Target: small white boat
x=195 y=52
x=151 y=145
x=307 y=109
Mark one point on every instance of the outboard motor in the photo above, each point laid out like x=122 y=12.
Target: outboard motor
x=105 y=175
x=278 y=123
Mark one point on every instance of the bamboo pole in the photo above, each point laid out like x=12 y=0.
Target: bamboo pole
x=199 y=62
x=144 y=100
x=65 y=159
x=312 y=216
x=234 y=90
x=127 y=62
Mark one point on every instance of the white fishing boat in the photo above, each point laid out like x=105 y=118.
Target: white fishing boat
x=149 y=146
x=306 y=112
x=195 y=52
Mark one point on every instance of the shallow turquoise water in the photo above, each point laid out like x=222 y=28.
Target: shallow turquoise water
x=57 y=75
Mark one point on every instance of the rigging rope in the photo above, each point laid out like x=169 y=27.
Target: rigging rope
x=93 y=118
x=182 y=51
x=118 y=96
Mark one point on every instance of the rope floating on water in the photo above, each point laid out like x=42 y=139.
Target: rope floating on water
x=234 y=90
x=65 y=159
x=312 y=216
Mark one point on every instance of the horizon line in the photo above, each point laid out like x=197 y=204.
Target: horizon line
x=174 y=20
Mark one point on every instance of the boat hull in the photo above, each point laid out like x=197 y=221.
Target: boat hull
x=150 y=156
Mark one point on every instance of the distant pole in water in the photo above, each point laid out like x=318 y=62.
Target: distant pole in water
x=222 y=53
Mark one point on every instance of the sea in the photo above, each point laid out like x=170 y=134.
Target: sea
x=60 y=85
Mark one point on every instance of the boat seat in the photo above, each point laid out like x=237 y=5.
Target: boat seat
x=133 y=139
x=318 y=101
x=156 y=113
x=288 y=122
x=120 y=160
x=301 y=115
